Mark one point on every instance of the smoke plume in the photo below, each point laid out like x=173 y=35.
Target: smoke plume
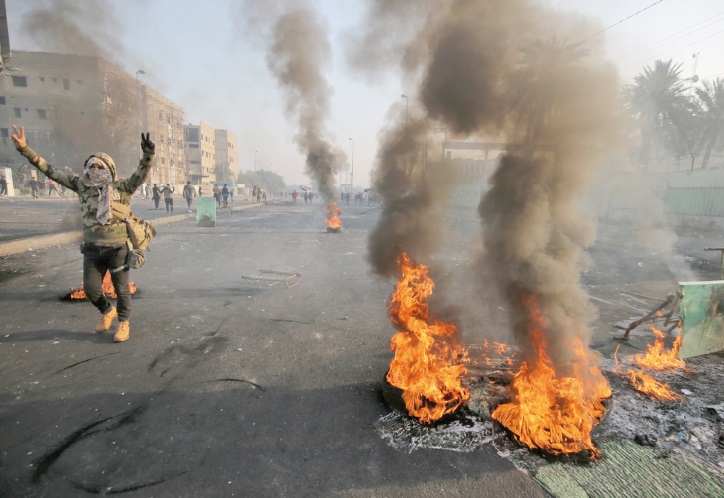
x=86 y=29
x=74 y=27
x=297 y=53
x=511 y=70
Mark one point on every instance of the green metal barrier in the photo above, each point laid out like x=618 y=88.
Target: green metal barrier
x=206 y=212
x=702 y=312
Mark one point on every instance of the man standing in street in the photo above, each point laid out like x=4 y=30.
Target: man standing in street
x=217 y=195
x=105 y=235
x=189 y=193
x=53 y=188
x=156 y=195
x=3 y=185
x=34 y=187
x=225 y=195
x=167 y=192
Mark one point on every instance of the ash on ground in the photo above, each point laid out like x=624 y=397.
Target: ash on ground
x=692 y=427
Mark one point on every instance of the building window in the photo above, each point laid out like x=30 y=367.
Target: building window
x=193 y=146
x=2 y=100
x=4 y=132
x=17 y=112
x=66 y=84
x=20 y=81
x=42 y=114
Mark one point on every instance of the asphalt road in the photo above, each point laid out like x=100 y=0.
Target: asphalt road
x=226 y=388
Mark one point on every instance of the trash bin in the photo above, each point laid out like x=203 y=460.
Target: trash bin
x=206 y=212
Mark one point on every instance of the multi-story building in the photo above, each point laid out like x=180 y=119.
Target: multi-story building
x=72 y=106
x=226 y=155
x=200 y=154
x=165 y=121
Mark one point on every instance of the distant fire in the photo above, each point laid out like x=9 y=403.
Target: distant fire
x=550 y=410
x=332 y=218
x=426 y=366
x=107 y=288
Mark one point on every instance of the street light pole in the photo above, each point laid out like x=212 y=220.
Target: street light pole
x=351 y=181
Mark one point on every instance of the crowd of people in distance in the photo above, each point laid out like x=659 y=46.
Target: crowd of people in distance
x=26 y=184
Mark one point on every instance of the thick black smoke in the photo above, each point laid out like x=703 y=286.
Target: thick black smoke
x=78 y=27
x=85 y=28
x=298 y=51
x=509 y=70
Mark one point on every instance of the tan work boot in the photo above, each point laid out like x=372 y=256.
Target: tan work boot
x=123 y=332
x=104 y=324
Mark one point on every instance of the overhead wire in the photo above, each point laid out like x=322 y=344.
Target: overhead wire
x=622 y=20
x=676 y=49
x=669 y=39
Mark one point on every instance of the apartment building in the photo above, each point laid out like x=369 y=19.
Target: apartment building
x=165 y=121
x=226 y=154
x=72 y=106
x=200 y=143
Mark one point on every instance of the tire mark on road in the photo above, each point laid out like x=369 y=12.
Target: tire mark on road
x=84 y=361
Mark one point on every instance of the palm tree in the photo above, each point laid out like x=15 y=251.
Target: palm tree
x=536 y=84
x=657 y=98
x=710 y=97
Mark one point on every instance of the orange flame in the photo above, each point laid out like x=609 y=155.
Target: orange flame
x=657 y=357
x=552 y=412
x=106 y=288
x=648 y=385
x=425 y=365
x=333 y=213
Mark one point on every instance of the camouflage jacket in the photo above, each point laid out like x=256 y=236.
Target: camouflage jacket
x=114 y=231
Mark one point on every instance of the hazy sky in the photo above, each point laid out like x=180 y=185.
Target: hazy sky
x=196 y=54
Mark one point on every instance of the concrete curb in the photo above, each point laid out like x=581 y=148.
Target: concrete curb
x=56 y=239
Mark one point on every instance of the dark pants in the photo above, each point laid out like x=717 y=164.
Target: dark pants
x=169 y=205
x=188 y=201
x=156 y=201
x=98 y=259
x=226 y=200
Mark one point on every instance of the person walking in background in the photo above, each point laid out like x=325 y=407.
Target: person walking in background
x=52 y=187
x=105 y=235
x=200 y=193
x=253 y=194
x=258 y=195
x=231 y=194
x=147 y=188
x=294 y=197
x=217 y=194
x=34 y=188
x=189 y=193
x=167 y=192
x=225 y=195
x=3 y=185
x=156 y=195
